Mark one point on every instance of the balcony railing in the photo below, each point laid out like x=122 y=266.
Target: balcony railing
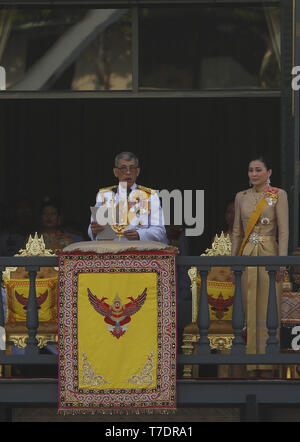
x=32 y=354
x=238 y=352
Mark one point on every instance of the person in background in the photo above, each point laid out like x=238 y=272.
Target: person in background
x=54 y=235
x=126 y=170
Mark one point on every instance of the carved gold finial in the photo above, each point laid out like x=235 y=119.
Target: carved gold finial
x=221 y=246
x=193 y=274
x=34 y=247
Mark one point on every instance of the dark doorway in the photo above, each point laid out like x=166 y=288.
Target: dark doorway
x=65 y=148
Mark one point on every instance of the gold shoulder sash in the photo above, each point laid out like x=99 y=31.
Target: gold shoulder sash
x=146 y=189
x=106 y=189
x=252 y=221
x=102 y=191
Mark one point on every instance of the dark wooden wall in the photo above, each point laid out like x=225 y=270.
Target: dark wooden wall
x=66 y=148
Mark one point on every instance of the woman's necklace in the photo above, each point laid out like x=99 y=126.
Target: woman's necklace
x=257 y=196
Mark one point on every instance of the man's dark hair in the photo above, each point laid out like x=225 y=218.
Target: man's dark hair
x=127 y=156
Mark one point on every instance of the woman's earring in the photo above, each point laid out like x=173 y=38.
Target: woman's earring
x=268 y=181
x=250 y=184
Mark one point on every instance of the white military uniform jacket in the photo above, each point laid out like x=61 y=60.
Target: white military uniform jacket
x=151 y=230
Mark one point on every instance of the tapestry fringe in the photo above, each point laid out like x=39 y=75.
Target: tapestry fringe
x=102 y=247
x=120 y=412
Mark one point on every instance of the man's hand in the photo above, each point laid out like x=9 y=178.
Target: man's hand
x=96 y=228
x=131 y=235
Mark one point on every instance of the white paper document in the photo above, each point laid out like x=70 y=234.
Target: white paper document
x=107 y=233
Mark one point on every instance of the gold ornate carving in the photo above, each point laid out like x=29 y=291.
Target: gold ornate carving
x=119 y=227
x=193 y=275
x=220 y=342
x=20 y=341
x=221 y=246
x=190 y=337
x=89 y=378
x=7 y=272
x=216 y=342
x=145 y=376
x=35 y=247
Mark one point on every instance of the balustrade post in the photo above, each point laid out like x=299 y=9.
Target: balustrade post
x=272 y=312
x=203 y=315
x=2 y=313
x=2 y=316
x=32 y=318
x=238 y=315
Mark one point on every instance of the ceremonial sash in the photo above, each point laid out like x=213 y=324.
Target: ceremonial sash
x=252 y=221
x=139 y=196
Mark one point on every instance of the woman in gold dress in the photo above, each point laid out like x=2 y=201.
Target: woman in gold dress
x=261 y=213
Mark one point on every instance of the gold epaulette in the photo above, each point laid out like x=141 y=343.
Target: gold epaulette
x=105 y=189
x=102 y=191
x=147 y=189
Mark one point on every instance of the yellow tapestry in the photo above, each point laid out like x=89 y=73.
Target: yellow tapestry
x=117 y=332
x=127 y=335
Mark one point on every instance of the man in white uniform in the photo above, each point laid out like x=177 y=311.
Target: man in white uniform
x=127 y=170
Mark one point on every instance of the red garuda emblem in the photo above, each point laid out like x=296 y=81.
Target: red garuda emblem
x=220 y=305
x=117 y=315
x=24 y=301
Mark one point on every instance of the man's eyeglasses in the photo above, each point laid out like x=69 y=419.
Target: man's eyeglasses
x=124 y=169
